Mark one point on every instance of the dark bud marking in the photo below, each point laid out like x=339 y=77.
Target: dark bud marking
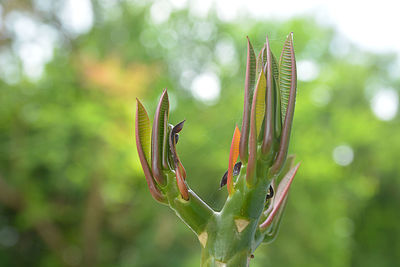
x=177 y=128
x=236 y=168
x=236 y=171
x=270 y=193
x=180 y=172
x=174 y=137
x=224 y=179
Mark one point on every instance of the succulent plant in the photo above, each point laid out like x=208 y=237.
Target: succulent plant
x=258 y=184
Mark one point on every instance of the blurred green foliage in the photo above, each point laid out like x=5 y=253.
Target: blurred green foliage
x=72 y=192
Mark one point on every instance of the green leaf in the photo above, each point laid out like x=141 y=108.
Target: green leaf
x=275 y=67
x=287 y=74
x=260 y=100
x=142 y=135
x=270 y=105
x=159 y=127
x=278 y=112
x=256 y=118
x=165 y=149
x=261 y=59
x=248 y=96
x=288 y=87
x=250 y=72
x=143 y=131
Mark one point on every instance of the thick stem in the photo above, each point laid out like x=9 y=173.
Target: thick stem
x=229 y=237
x=241 y=259
x=230 y=234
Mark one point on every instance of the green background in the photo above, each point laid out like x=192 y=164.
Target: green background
x=72 y=192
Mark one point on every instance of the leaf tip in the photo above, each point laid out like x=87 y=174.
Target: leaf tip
x=138 y=102
x=164 y=94
x=237 y=131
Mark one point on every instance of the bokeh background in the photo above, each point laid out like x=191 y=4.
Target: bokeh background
x=72 y=192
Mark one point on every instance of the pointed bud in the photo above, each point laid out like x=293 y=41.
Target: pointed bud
x=157 y=146
x=248 y=95
x=288 y=86
x=142 y=136
x=270 y=105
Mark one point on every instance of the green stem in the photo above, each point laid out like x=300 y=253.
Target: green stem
x=228 y=237
x=231 y=233
x=195 y=213
x=241 y=259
